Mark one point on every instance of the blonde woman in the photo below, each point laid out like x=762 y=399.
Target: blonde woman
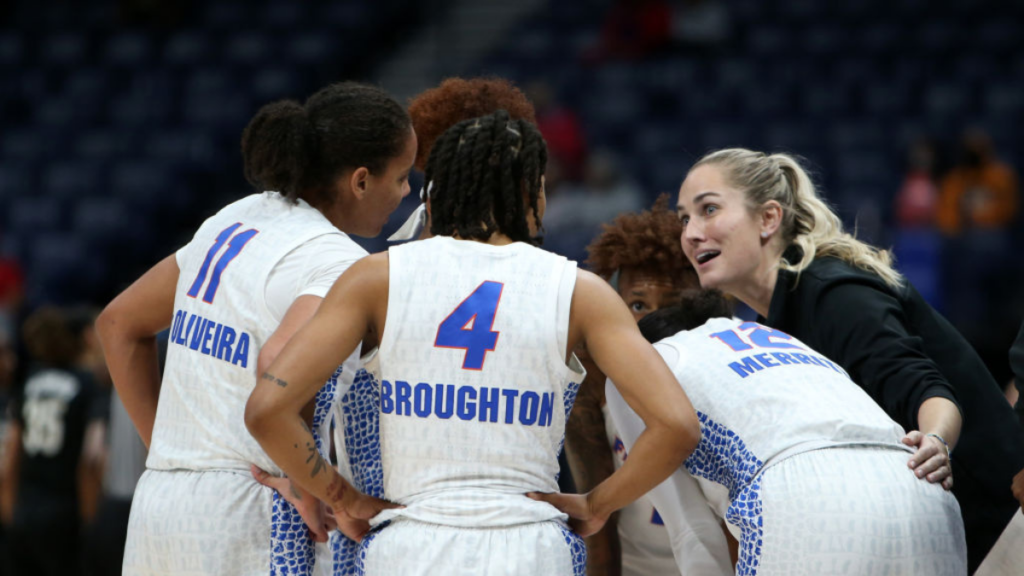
x=754 y=227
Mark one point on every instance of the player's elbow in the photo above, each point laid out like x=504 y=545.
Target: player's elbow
x=259 y=417
x=684 y=428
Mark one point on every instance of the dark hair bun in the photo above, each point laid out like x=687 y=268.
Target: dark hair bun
x=275 y=146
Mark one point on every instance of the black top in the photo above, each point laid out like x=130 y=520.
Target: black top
x=52 y=409
x=1017 y=365
x=902 y=352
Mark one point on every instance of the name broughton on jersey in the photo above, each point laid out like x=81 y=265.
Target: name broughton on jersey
x=484 y=404
x=210 y=338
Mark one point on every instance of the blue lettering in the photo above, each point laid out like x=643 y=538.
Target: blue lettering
x=528 y=405
x=175 y=324
x=766 y=361
x=442 y=408
x=188 y=330
x=227 y=338
x=387 y=405
x=467 y=409
x=489 y=405
x=197 y=335
x=422 y=399
x=749 y=366
x=802 y=358
x=403 y=407
x=242 y=351
x=547 y=408
x=216 y=339
x=510 y=404
x=207 y=335
x=784 y=358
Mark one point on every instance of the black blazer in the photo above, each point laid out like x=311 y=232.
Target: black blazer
x=902 y=352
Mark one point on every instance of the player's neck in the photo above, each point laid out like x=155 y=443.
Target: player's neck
x=495 y=239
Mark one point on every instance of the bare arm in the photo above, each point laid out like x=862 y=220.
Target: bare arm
x=939 y=416
x=273 y=412
x=591 y=462
x=127 y=329
x=603 y=322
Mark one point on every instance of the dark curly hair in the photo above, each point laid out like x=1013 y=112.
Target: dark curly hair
x=50 y=339
x=647 y=240
x=481 y=169
x=300 y=150
x=695 y=307
x=458 y=99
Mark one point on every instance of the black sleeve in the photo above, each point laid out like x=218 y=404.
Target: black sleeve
x=864 y=329
x=1017 y=365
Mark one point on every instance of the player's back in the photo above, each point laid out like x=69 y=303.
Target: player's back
x=761 y=394
x=474 y=385
x=221 y=320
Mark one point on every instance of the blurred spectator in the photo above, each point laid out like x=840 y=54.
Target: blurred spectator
x=561 y=129
x=575 y=213
x=12 y=293
x=44 y=449
x=917 y=200
x=7 y=369
x=980 y=192
x=634 y=29
x=1016 y=395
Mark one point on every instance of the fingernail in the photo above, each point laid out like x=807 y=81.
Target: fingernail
x=919 y=473
x=912 y=464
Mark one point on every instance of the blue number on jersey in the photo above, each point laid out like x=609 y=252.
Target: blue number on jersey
x=477 y=339
x=235 y=246
x=761 y=337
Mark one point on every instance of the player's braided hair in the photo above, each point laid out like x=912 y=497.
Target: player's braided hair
x=482 y=169
x=300 y=150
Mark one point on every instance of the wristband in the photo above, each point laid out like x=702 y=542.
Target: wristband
x=943 y=440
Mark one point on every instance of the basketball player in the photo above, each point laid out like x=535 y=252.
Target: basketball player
x=470 y=422
x=809 y=472
x=233 y=296
x=44 y=450
x=641 y=255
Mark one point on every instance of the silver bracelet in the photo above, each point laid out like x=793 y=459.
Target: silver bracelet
x=943 y=440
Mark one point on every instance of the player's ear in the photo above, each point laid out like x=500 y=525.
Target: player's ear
x=359 y=182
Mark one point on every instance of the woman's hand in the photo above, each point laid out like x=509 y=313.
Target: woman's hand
x=312 y=510
x=581 y=517
x=359 y=508
x=931 y=460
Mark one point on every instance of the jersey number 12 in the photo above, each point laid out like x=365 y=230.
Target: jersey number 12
x=469 y=326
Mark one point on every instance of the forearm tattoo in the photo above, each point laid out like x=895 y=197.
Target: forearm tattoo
x=319 y=465
x=271 y=378
x=336 y=489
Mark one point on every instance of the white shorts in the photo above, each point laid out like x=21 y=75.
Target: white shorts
x=852 y=511
x=216 y=523
x=406 y=547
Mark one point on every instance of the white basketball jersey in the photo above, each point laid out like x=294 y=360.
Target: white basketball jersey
x=474 y=387
x=762 y=395
x=644 y=541
x=221 y=322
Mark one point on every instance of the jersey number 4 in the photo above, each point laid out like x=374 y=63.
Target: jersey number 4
x=469 y=326
x=235 y=245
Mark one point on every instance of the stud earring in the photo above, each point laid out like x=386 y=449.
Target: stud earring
x=764 y=234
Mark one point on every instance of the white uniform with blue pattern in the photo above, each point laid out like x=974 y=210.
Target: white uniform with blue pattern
x=807 y=470
x=197 y=510
x=474 y=392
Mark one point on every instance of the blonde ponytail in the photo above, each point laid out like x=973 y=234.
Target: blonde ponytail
x=807 y=221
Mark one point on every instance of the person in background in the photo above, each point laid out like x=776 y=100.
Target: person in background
x=639 y=253
x=44 y=450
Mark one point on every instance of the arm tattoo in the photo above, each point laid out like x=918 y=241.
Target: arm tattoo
x=319 y=464
x=295 y=493
x=270 y=377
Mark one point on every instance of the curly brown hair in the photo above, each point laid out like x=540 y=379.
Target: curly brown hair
x=458 y=99
x=647 y=240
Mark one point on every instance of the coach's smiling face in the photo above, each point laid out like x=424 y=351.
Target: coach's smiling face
x=725 y=240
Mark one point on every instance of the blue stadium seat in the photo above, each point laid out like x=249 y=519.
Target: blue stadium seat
x=188 y=48
x=947 y=99
x=104 y=144
x=230 y=15
x=128 y=49
x=247 y=48
x=22 y=144
x=63 y=49
x=100 y=220
x=1004 y=98
x=86 y=84
x=12 y=48
x=310 y=47
x=15 y=181
x=33 y=214
x=70 y=180
x=274 y=83
x=284 y=15
x=181 y=146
